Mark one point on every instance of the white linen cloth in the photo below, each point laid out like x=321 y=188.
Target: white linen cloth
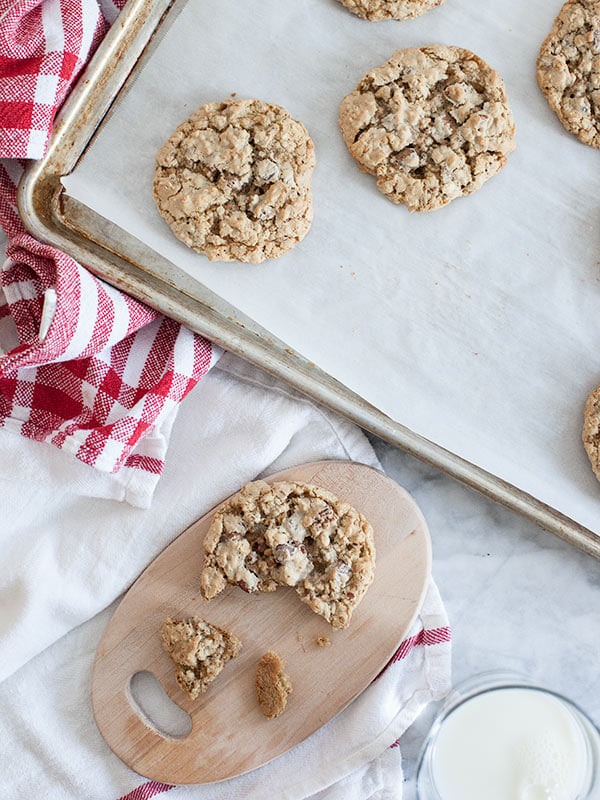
x=68 y=556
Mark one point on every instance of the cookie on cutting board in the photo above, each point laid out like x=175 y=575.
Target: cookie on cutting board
x=291 y=534
x=273 y=685
x=199 y=651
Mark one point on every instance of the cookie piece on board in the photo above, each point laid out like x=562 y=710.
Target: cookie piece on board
x=389 y=9
x=199 y=650
x=233 y=181
x=591 y=430
x=273 y=685
x=568 y=69
x=432 y=124
x=291 y=534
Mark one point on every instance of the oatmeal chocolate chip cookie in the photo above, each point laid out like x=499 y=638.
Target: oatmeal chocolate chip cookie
x=431 y=123
x=390 y=9
x=273 y=685
x=591 y=430
x=568 y=69
x=291 y=534
x=200 y=651
x=233 y=182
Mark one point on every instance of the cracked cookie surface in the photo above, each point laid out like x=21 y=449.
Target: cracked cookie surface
x=432 y=124
x=390 y=9
x=233 y=181
x=199 y=651
x=291 y=534
x=591 y=430
x=568 y=69
x=273 y=685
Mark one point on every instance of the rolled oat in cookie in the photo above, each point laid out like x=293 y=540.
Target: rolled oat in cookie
x=273 y=685
x=291 y=534
x=568 y=69
x=591 y=430
x=233 y=181
x=432 y=124
x=390 y=9
x=199 y=650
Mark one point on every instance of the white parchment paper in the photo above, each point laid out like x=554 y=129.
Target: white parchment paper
x=476 y=325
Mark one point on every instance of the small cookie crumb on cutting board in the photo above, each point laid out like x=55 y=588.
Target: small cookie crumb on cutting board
x=273 y=685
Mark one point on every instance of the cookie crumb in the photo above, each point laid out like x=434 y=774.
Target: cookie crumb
x=273 y=685
x=199 y=651
x=323 y=641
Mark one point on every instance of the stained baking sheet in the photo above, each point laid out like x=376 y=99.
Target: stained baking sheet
x=475 y=325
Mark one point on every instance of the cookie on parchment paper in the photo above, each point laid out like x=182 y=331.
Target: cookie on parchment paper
x=273 y=685
x=390 y=9
x=432 y=124
x=591 y=430
x=233 y=181
x=568 y=69
x=291 y=534
x=199 y=651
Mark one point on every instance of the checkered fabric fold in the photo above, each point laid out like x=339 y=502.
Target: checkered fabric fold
x=82 y=366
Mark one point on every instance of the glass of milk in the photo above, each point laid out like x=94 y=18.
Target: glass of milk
x=498 y=737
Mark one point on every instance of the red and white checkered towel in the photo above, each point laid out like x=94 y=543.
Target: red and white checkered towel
x=83 y=367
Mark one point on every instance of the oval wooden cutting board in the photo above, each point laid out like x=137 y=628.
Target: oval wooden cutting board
x=229 y=734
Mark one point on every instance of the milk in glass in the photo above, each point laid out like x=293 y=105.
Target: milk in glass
x=511 y=744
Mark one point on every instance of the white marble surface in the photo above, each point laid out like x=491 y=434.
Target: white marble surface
x=517 y=597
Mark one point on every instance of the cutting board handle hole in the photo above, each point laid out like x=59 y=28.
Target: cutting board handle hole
x=156 y=708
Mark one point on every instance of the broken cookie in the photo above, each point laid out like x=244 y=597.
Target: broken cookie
x=199 y=650
x=291 y=534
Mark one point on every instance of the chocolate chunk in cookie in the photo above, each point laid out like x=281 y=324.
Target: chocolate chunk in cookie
x=233 y=181
x=291 y=534
x=568 y=69
x=432 y=124
x=273 y=685
x=390 y=9
x=200 y=651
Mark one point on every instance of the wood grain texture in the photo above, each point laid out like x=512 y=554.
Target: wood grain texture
x=229 y=734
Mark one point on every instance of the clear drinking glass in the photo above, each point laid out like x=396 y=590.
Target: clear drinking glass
x=458 y=752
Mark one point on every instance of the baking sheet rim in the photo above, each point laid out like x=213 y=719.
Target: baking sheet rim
x=40 y=203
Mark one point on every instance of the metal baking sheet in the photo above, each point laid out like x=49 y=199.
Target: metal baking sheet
x=126 y=261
